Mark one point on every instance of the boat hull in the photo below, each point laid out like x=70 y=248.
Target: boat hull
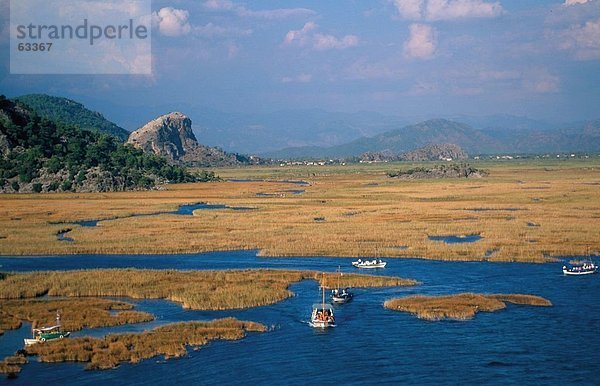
x=47 y=337
x=370 y=266
x=578 y=273
x=321 y=324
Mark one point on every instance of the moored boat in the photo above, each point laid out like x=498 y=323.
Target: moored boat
x=376 y=263
x=45 y=334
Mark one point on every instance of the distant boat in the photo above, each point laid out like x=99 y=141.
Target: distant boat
x=581 y=268
x=586 y=268
x=377 y=263
x=322 y=313
x=45 y=334
x=340 y=296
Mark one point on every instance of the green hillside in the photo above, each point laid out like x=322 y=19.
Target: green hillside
x=38 y=155
x=71 y=113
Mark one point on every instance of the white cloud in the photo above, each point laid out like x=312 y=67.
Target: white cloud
x=409 y=9
x=269 y=14
x=575 y=2
x=540 y=81
x=300 y=37
x=434 y=10
x=218 y=5
x=330 y=42
x=307 y=36
x=583 y=40
x=302 y=78
x=172 y=22
x=457 y=9
x=421 y=43
x=211 y=30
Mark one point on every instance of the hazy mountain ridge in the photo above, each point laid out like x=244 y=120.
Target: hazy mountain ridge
x=574 y=138
x=316 y=133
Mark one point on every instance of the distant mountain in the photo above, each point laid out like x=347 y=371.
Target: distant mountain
x=39 y=155
x=171 y=136
x=71 y=113
x=576 y=138
x=254 y=133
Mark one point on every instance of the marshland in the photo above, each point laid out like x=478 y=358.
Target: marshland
x=441 y=237
x=530 y=211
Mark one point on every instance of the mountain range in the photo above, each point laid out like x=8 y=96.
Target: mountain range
x=317 y=133
x=583 y=137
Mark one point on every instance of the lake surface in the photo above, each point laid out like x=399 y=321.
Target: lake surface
x=370 y=345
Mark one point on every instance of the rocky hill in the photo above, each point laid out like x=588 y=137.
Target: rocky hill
x=39 y=155
x=71 y=113
x=432 y=152
x=171 y=136
x=439 y=171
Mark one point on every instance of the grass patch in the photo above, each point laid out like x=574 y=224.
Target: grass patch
x=386 y=212
x=459 y=307
x=199 y=290
x=76 y=314
x=171 y=341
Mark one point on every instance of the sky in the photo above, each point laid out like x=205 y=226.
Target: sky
x=427 y=58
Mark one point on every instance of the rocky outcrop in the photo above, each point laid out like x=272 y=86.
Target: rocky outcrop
x=171 y=136
x=446 y=151
x=439 y=171
x=432 y=152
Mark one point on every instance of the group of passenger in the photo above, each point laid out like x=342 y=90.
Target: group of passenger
x=325 y=316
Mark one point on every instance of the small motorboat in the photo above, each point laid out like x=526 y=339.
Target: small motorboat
x=341 y=296
x=377 y=263
x=587 y=268
x=45 y=334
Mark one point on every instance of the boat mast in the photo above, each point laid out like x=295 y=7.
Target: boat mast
x=323 y=288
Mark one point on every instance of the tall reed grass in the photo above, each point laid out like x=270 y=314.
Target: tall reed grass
x=363 y=213
x=171 y=341
x=459 y=307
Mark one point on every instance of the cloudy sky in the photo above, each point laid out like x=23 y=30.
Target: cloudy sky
x=428 y=58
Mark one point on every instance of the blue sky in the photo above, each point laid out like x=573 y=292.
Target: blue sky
x=421 y=58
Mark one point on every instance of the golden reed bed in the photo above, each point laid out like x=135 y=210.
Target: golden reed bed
x=170 y=341
x=459 y=307
x=214 y=290
x=526 y=212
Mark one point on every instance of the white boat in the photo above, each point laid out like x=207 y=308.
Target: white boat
x=341 y=296
x=322 y=313
x=322 y=316
x=377 y=263
x=580 y=269
x=43 y=334
x=338 y=295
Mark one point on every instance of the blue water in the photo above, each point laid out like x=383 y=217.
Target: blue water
x=456 y=239
x=371 y=345
x=183 y=210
